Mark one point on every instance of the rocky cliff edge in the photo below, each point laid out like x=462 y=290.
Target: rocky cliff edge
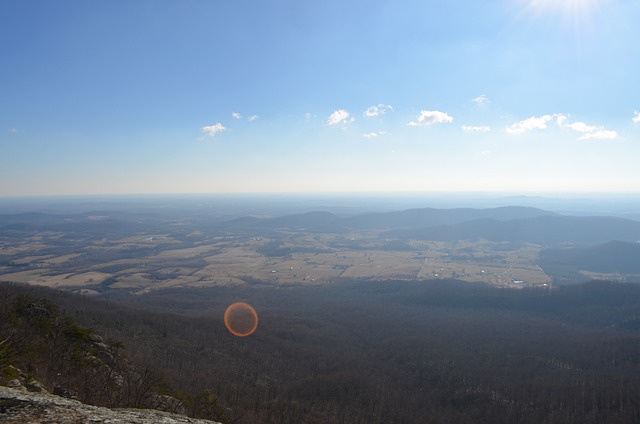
x=17 y=405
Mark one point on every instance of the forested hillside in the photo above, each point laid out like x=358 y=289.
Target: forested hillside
x=440 y=351
x=618 y=257
x=45 y=350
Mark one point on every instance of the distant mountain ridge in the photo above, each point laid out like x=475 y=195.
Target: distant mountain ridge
x=430 y=217
x=543 y=230
x=407 y=219
x=307 y=221
x=514 y=224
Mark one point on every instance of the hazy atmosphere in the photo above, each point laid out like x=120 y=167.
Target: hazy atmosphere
x=126 y=97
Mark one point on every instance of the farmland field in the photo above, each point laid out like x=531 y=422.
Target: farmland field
x=141 y=262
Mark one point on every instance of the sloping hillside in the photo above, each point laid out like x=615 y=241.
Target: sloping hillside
x=45 y=350
x=617 y=257
x=542 y=230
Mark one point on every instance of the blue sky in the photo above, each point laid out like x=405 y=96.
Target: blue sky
x=184 y=96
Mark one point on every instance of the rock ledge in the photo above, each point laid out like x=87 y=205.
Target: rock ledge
x=20 y=406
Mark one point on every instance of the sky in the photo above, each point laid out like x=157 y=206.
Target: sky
x=214 y=96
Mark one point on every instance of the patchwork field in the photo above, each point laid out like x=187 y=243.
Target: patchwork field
x=143 y=262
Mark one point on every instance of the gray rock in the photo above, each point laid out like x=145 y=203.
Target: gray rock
x=166 y=403
x=35 y=386
x=19 y=406
x=15 y=383
x=61 y=391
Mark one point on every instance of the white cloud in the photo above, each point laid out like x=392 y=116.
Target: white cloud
x=636 y=118
x=535 y=123
x=582 y=127
x=374 y=134
x=340 y=116
x=529 y=124
x=481 y=100
x=212 y=130
x=377 y=110
x=560 y=119
x=540 y=123
x=476 y=128
x=600 y=134
x=236 y=115
x=13 y=130
x=429 y=117
x=253 y=118
x=589 y=131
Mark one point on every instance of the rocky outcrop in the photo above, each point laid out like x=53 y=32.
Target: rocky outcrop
x=17 y=405
x=20 y=380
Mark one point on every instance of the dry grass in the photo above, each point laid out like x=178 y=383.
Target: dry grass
x=29 y=277
x=231 y=260
x=32 y=259
x=77 y=280
x=63 y=258
x=189 y=252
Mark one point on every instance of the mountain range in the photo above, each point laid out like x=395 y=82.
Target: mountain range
x=509 y=224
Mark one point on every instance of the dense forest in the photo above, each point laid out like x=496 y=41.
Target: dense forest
x=392 y=352
x=611 y=257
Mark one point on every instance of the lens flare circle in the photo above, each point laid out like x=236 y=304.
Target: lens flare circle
x=241 y=319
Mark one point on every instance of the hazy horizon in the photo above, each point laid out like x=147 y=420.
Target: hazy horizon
x=625 y=205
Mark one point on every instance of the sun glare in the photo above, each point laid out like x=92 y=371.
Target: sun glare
x=576 y=16
x=569 y=9
x=569 y=6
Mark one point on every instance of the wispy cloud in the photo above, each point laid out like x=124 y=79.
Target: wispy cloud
x=535 y=123
x=238 y=115
x=430 y=117
x=212 y=130
x=476 y=128
x=590 y=131
x=340 y=116
x=308 y=118
x=581 y=127
x=374 y=134
x=13 y=130
x=600 y=133
x=481 y=100
x=377 y=110
x=561 y=120
x=636 y=118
